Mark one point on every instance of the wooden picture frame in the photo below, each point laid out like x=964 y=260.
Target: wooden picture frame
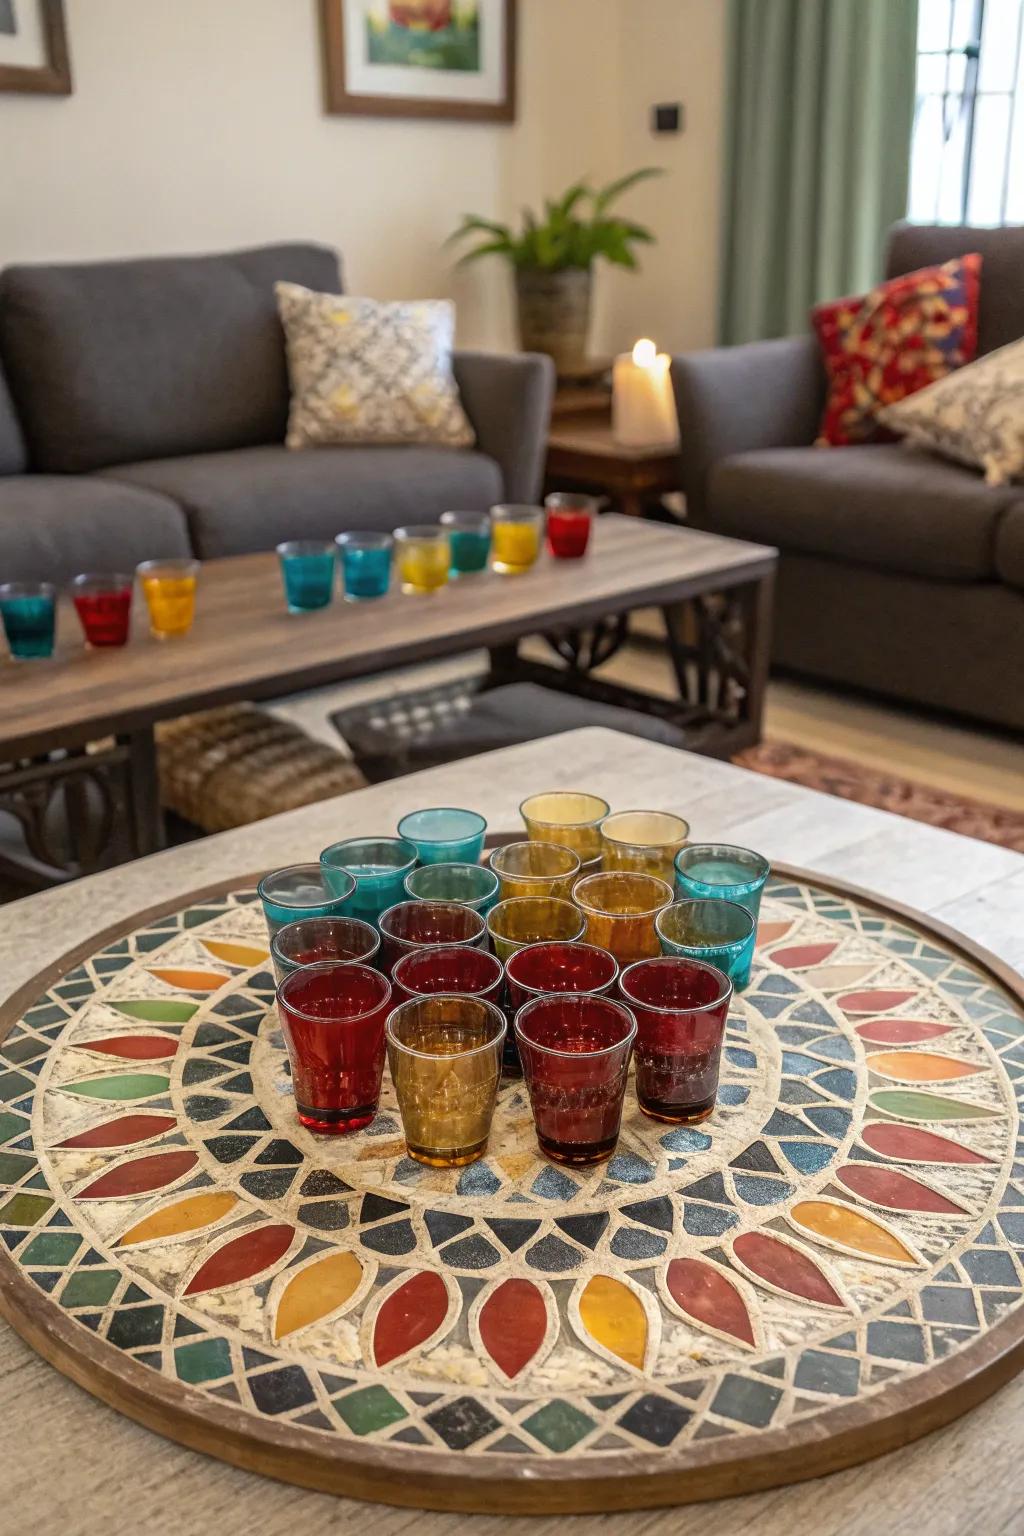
x=53 y=76
x=338 y=53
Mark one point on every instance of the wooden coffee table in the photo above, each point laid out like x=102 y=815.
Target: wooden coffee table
x=81 y=726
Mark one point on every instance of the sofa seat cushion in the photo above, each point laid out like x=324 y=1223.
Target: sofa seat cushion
x=54 y=526
x=879 y=505
x=253 y=498
x=1010 y=544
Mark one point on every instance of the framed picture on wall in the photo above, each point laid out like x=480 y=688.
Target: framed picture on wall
x=34 y=47
x=421 y=58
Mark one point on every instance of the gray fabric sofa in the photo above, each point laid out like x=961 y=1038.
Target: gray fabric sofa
x=143 y=407
x=901 y=573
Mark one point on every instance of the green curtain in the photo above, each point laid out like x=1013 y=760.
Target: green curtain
x=820 y=105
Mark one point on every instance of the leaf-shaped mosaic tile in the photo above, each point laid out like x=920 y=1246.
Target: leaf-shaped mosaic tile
x=191 y=981
x=155 y=1010
x=771 y=932
x=182 y=1217
x=132 y=1047
x=245 y=955
x=120 y=1086
x=901 y=1031
x=513 y=1324
x=141 y=1176
x=839 y=1226
x=316 y=1291
x=896 y=1191
x=708 y=1297
x=908 y=1144
x=921 y=1066
x=409 y=1316
x=785 y=1267
x=615 y=1318
x=908 y=1104
x=124 y=1131
x=881 y=1000
x=243 y=1258
x=798 y=957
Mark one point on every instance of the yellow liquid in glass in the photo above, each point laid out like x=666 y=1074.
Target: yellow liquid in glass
x=423 y=567
x=515 y=546
x=172 y=604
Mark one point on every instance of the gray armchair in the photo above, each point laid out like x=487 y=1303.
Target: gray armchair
x=901 y=573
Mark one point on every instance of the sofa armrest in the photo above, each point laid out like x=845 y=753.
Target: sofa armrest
x=508 y=400
x=767 y=394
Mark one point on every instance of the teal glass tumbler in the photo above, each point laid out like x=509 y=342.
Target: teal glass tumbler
x=445 y=835
x=301 y=891
x=469 y=541
x=719 y=933
x=721 y=872
x=307 y=569
x=365 y=565
x=29 y=611
x=471 y=885
x=377 y=865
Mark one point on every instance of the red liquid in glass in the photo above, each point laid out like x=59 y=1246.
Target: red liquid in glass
x=105 y=615
x=678 y=1048
x=578 y=1084
x=568 y=534
x=333 y=1017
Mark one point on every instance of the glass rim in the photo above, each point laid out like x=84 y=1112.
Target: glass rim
x=581 y=998
x=432 y=810
x=527 y=842
x=115 y=580
x=497 y=1040
x=725 y=993
x=726 y=848
x=593 y=949
x=482 y=869
x=573 y=501
x=508 y=901
x=354 y=842
x=516 y=512
x=305 y=547
x=434 y=951
x=292 y=869
x=583 y=794
x=28 y=589
x=305 y=971
x=368 y=537
x=431 y=533
x=636 y=842
x=622 y=874
x=417 y=905
x=718 y=902
x=278 y=953
x=172 y=563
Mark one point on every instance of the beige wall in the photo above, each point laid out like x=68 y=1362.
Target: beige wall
x=196 y=124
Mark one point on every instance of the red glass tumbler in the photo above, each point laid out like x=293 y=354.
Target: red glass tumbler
x=541 y=968
x=333 y=1016
x=413 y=925
x=312 y=939
x=569 y=521
x=452 y=968
x=575 y=1054
x=104 y=606
x=680 y=1007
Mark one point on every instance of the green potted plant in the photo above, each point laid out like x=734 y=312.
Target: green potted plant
x=553 y=261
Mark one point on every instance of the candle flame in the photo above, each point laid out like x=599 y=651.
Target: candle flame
x=645 y=353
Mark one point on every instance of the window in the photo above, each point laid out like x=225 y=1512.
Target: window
x=967 y=157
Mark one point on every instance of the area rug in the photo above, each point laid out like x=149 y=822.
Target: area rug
x=886 y=792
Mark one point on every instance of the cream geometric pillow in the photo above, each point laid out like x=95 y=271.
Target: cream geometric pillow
x=363 y=371
x=975 y=415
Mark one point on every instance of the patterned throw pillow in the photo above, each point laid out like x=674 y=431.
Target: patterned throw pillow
x=367 y=372
x=902 y=336
x=975 y=416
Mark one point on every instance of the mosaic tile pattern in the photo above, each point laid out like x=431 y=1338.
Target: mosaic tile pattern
x=852 y=1214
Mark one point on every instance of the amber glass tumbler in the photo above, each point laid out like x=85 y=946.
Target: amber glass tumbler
x=532 y=920
x=567 y=816
x=535 y=869
x=643 y=842
x=620 y=910
x=445 y=1058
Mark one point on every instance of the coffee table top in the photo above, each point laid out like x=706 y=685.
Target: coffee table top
x=245 y=645
x=967 y=1476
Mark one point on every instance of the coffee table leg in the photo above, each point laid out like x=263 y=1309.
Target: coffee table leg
x=148 y=834
x=720 y=649
x=758 y=600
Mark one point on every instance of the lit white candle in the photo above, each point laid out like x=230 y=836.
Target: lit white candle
x=643 y=407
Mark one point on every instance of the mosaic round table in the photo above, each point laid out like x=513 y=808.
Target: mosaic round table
x=830 y=1266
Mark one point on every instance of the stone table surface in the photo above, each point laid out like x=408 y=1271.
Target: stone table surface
x=72 y=1465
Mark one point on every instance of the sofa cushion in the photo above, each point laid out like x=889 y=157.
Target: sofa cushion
x=253 y=498
x=123 y=360
x=879 y=505
x=1001 y=306
x=53 y=526
x=13 y=458
x=1010 y=544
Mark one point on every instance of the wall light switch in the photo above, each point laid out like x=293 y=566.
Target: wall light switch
x=668 y=117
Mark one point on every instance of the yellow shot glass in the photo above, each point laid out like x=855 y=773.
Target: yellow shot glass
x=423 y=557
x=516 y=534
x=643 y=842
x=169 y=587
x=535 y=869
x=567 y=817
x=620 y=910
x=445 y=1058
x=524 y=920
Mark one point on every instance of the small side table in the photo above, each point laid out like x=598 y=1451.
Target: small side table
x=583 y=455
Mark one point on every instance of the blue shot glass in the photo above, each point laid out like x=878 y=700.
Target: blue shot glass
x=377 y=865
x=301 y=891
x=445 y=835
x=471 y=885
x=29 y=611
x=719 y=933
x=307 y=569
x=469 y=541
x=365 y=565
x=720 y=872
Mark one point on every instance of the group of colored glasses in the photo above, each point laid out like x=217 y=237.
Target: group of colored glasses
x=103 y=602
x=600 y=939
x=426 y=557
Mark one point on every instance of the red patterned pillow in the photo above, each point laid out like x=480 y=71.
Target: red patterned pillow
x=891 y=342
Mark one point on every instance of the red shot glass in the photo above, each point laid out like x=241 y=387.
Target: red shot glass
x=681 y=1007
x=541 y=968
x=333 y=1016
x=569 y=522
x=103 y=602
x=575 y=1055
x=413 y=925
x=458 y=969
x=312 y=939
